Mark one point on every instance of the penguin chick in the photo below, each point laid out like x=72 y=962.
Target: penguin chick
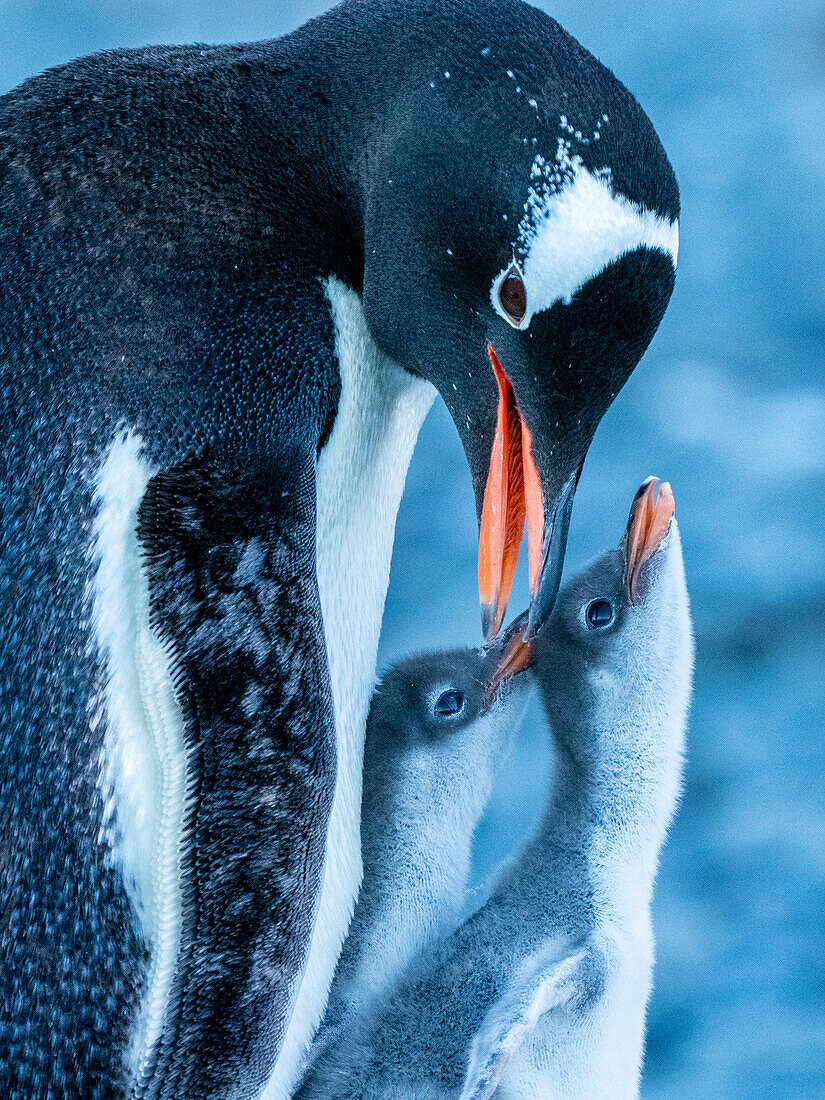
x=542 y=992
x=439 y=727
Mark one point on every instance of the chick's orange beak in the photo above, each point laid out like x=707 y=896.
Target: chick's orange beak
x=511 y=496
x=513 y=655
x=649 y=522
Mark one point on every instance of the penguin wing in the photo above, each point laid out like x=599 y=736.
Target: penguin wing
x=230 y=558
x=546 y=981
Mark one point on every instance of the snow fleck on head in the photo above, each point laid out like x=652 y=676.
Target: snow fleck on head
x=574 y=225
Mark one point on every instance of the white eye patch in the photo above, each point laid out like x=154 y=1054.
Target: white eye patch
x=572 y=232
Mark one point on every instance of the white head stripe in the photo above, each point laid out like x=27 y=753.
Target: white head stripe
x=572 y=234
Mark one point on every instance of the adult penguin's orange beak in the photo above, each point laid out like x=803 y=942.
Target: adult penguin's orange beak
x=504 y=508
x=513 y=498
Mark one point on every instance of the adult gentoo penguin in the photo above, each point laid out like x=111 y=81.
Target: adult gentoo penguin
x=438 y=730
x=542 y=992
x=231 y=280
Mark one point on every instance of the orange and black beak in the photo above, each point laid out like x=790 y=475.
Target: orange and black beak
x=513 y=497
x=650 y=516
x=510 y=655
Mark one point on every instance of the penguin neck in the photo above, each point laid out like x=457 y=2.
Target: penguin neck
x=424 y=819
x=606 y=817
x=416 y=846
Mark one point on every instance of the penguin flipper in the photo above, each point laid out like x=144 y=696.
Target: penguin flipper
x=546 y=981
x=230 y=559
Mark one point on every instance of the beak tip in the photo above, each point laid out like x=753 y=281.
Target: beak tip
x=650 y=521
x=488 y=625
x=515 y=655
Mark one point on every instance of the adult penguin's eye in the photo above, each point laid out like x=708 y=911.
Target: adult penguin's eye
x=512 y=294
x=599 y=613
x=449 y=703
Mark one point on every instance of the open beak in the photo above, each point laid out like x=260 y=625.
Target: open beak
x=513 y=651
x=649 y=522
x=513 y=497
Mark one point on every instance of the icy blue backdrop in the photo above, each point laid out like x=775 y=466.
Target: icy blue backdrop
x=730 y=405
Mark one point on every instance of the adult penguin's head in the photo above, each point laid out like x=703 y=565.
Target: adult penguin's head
x=520 y=233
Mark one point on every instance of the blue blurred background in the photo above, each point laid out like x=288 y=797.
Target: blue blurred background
x=729 y=404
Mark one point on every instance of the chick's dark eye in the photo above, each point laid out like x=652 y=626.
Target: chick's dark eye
x=599 y=613
x=513 y=296
x=449 y=703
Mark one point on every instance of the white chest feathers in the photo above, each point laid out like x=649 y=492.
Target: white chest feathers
x=360 y=478
x=143 y=771
x=589 y=1050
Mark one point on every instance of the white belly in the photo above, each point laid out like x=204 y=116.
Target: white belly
x=360 y=478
